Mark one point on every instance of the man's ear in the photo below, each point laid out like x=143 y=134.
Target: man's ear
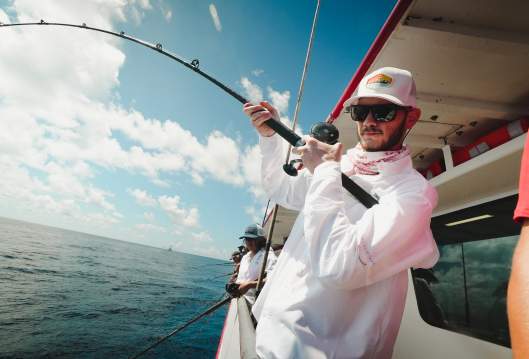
x=413 y=117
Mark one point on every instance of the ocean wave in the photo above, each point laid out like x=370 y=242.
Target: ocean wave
x=122 y=310
x=91 y=316
x=8 y=256
x=31 y=271
x=192 y=301
x=21 y=270
x=72 y=315
x=92 y=249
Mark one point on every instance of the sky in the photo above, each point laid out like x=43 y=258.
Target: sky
x=103 y=136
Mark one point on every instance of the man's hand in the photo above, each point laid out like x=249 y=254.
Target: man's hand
x=259 y=114
x=316 y=152
x=246 y=286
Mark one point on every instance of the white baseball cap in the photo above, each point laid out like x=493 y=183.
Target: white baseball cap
x=389 y=83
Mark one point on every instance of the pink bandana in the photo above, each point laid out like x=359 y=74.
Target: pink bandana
x=366 y=163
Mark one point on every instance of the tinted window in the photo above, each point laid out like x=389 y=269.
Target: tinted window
x=466 y=290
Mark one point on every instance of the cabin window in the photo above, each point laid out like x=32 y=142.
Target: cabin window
x=466 y=290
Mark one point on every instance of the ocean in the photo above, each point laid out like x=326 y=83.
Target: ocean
x=66 y=294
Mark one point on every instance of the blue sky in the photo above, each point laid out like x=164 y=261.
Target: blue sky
x=103 y=136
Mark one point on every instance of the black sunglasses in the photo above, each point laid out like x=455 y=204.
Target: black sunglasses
x=381 y=113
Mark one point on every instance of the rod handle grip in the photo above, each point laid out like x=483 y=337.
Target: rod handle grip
x=290 y=136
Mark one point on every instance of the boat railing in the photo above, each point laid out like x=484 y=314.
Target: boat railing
x=246 y=330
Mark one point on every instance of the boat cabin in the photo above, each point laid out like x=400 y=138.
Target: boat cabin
x=470 y=63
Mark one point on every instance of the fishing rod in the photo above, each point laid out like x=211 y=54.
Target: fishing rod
x=193 y=65
x=328 y=133
x=182 y=327
x=219 y=276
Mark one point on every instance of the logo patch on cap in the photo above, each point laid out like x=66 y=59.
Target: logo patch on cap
x=378 y=81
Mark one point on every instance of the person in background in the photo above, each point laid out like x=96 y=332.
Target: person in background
x=518 y=292
x=236 y=259
x=243 y=250
x=250 y=267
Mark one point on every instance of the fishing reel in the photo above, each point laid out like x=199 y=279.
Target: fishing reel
x=322 y=131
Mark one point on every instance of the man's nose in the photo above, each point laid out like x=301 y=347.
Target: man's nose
x=370 y=120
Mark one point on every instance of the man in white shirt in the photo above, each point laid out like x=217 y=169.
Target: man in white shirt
x=339 y=287
x=251 y=263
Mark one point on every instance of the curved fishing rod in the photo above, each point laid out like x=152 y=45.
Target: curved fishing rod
x=193 y=65
x=210 y=310
x=290 y=136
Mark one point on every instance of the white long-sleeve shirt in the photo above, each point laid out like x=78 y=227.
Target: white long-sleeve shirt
x=339 y=287
x=250 y=268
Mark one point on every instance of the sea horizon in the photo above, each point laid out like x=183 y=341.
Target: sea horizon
x=111 y=238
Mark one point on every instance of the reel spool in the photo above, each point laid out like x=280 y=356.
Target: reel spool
x=322 y=131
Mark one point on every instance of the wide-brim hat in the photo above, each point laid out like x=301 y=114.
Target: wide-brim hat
x=253 y=231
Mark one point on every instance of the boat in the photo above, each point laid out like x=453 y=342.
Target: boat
x=469 y=59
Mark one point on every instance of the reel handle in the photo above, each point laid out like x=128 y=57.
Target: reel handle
x=322 y=131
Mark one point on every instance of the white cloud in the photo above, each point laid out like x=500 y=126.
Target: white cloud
x=257 y=72
x=215 y=17
x=253 y=212
x=62 y=123
x=142 y=197
x=145 y=4
x=166 y=11
x=149 y=227
x=211 y=251
x=149 y=216
x=197 y=178
x=251 y=167
x=279 y=99
x=253 y=92
x=202 y=237
x=172 y=148
x=167 y=15
x=178 y=214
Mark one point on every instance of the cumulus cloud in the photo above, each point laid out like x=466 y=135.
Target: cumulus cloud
x=142 y=197
x=62 y=125
x=145 y=4
x=279 y=99
x=215 y=17
x=251 y=167
x=202 y=237
x=257 y=72
x=167 y=14
x=211 y=251
x=253 y=92
x=149 y=227
x=178 y=214
x=149 y=216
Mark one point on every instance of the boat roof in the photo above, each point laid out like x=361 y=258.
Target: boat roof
x=469 y=60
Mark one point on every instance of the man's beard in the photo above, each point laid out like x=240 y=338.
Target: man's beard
x=392 y=141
